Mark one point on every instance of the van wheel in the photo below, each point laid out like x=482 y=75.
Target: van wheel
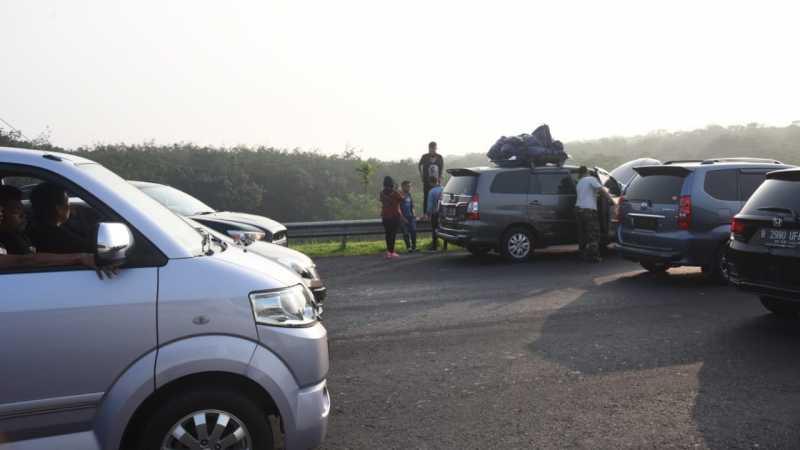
x=653 y=267
x=478 y=251
x=213 y=418
x=517 y=244
x=780 y=307
x=718 y=271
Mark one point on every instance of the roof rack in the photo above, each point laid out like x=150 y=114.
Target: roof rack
x=679 y=161
x=750 y=160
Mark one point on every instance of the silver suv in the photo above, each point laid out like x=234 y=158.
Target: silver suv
x=195 y=344
x=515 y=210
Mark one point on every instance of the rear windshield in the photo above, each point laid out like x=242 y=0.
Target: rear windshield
x=461 y=185
x=656 y=188
x=774 y=194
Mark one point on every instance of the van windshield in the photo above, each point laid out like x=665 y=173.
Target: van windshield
x=176 y=227
x=461 y=185
x=656 y=188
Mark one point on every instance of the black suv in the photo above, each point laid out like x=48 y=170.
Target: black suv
x=765 y=243
x=515 y=209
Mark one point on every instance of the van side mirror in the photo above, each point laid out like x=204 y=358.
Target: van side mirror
x=114 y=244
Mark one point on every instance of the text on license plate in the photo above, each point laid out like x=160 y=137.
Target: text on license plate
x=647 y=223
x=780 y=238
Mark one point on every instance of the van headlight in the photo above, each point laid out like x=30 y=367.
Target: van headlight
x=291 y=307
x=247 y=236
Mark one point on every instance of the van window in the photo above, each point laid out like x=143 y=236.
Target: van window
x=513 y=182
x=748 y=183
x=774 y=193
x=558 y=183
x=656 y=188
x=722 y=185
x=461 y=185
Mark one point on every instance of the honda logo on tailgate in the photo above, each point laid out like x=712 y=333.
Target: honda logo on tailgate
x=777 y=222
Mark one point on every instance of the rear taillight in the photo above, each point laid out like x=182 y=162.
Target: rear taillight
x=473 y=209
x=737 y=227
x=685 y=212
x=618 y=210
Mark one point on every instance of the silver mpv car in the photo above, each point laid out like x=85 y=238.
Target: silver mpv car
x=195 y=344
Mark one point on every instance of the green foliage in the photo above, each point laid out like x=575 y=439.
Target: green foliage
x=304 y=185
x=359 y=248
x=365 y=170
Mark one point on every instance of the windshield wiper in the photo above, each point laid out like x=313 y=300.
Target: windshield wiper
x=203 y=213
x=222 y=244
x=208 y=238
x=205 y=247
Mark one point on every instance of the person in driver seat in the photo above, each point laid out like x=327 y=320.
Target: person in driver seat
x=12 y=225
x=32 y=259
x=51 y=210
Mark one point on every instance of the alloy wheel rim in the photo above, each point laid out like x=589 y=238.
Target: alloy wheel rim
x=208 y=429
x=519 y=245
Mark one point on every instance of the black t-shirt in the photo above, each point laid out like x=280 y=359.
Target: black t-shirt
x=53 y=239
x=16 y=243
x=432 y=166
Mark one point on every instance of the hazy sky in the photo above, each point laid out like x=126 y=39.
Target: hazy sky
x=387 y=77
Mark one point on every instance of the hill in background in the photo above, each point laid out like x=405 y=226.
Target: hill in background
x=302 y=185
x=782 y=143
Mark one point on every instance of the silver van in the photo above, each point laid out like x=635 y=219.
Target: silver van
x=195 y=344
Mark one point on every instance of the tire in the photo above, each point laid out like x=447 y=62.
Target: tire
x=781 y=308
x=478 y=251
x=245 y=419
x=517 y=244
x=718 y=271
x=653 y=267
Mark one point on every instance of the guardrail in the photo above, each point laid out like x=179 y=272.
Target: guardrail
x=342 y=228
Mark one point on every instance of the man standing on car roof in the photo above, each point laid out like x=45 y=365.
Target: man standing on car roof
x=430 y=166
x=586 y=215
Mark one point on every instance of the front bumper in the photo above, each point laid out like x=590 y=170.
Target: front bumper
x=294 y=362
x=304 y=410
x=311 y=418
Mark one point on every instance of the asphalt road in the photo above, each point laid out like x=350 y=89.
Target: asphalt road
x=453 y=351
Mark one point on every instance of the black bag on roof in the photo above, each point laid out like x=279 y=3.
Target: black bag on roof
x=537 y=148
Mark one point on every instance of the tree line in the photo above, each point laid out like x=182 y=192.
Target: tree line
x=298 y=185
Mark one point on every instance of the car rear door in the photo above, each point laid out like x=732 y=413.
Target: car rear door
x=551 y=204
x=456 y=195
x=649 y=214
x=768 y=232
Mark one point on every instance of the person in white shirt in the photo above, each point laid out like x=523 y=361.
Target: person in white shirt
x=586 y=214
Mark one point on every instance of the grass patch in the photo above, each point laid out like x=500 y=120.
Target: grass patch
x=355 y=248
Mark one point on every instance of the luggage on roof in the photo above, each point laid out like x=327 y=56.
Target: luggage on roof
x=537 y=149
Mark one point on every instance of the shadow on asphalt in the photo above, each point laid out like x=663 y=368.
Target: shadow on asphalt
x=749 y=382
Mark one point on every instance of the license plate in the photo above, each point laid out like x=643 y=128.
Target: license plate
x=780 y=238
x=646 y=223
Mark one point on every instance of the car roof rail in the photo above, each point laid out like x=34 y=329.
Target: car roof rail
x=681 y=161
x=745 y=160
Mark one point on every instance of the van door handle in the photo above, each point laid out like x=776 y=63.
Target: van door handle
x=533 y=203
